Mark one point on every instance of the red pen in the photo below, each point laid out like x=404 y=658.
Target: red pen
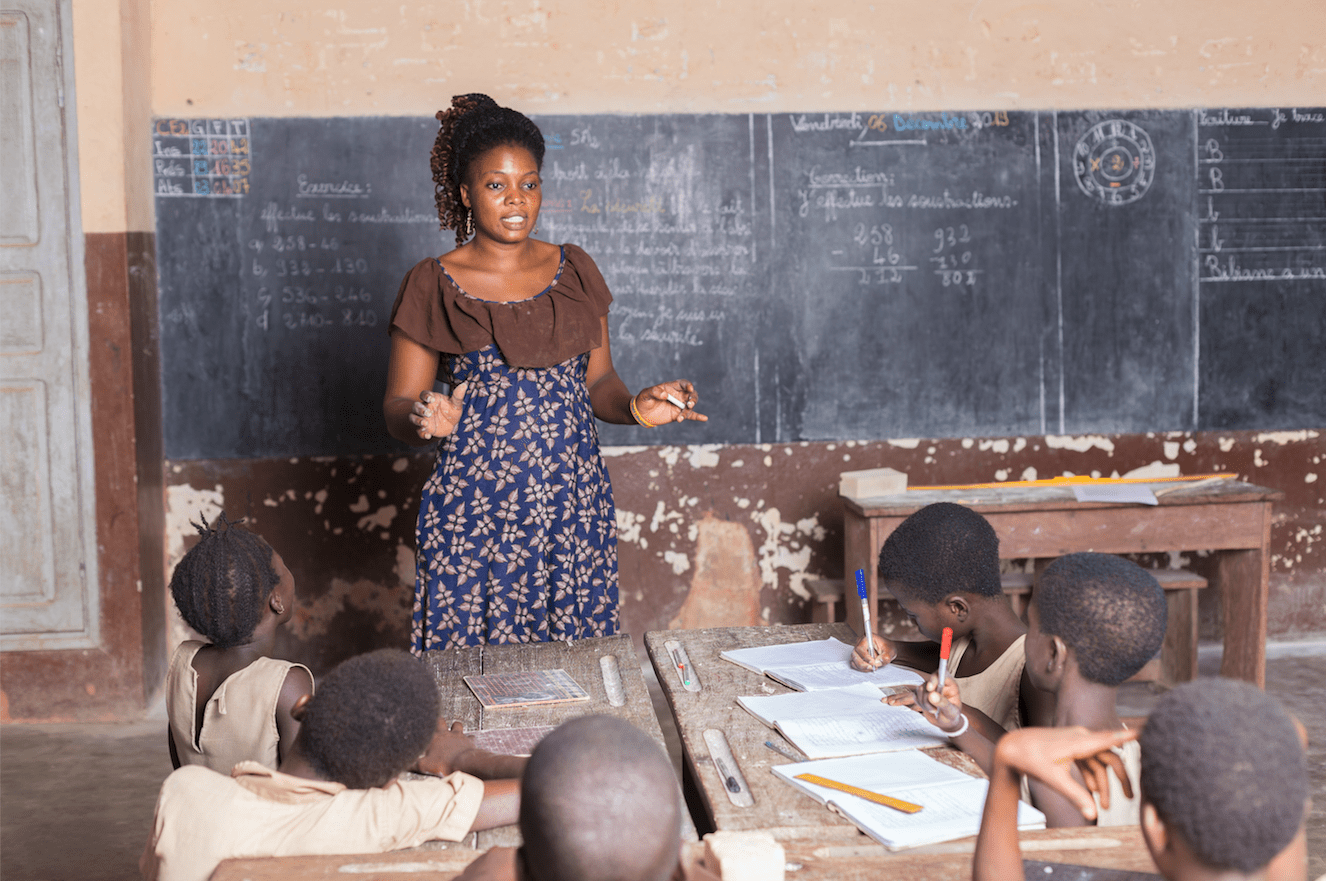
x=945 y=647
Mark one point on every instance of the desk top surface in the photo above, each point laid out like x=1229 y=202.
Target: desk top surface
x=824 y=844
x=581 y=659
x=1039 y=498
x=777 y=805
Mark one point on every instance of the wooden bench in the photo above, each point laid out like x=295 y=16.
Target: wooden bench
x=1177 y=661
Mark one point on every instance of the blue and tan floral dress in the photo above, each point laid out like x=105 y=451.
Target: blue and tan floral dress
x=516 y=537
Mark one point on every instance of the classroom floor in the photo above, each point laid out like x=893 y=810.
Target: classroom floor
x=76 y=800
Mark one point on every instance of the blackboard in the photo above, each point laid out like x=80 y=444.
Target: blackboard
x=819 y=276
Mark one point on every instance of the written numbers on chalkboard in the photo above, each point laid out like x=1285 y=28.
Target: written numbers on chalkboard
x=829 y=276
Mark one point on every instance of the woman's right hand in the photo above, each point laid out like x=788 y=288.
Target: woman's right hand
x=885 y=652
x=435 y=415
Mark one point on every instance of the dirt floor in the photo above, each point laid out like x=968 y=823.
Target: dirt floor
x=76 y=801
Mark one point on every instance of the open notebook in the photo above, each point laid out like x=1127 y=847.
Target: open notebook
x=951 y=802
x=843 y=721
x=816 y=664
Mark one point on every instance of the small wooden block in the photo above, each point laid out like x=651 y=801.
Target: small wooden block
x=872 y=483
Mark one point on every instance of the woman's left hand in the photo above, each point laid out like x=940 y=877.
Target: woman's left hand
x=668 y=402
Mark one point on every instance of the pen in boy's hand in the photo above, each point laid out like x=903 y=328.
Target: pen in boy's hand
x=945 y=648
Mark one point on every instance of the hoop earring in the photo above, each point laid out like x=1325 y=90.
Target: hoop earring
x=536 y=230
x=469 y=224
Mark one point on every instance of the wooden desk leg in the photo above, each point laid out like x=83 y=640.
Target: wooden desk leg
x=1243 y=593
x=857 y=554
x=1178 y=654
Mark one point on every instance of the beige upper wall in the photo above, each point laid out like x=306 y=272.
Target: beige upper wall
x=363 y=57
x=243 y=58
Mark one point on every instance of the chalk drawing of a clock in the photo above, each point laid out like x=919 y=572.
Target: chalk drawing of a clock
x=1114 y=162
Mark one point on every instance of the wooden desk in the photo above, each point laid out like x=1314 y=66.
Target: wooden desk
x=580 y=659
x=777 y=805
x=824 y=844
x=1231 y=519
x=398 y=865
x=815 y=859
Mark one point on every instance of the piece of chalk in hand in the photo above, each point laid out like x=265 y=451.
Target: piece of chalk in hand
x=676 y=403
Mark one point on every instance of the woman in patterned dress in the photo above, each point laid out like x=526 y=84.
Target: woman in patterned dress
x=516 y=538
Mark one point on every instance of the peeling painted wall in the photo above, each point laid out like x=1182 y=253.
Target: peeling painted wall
x=683 y=510
x=715 y=536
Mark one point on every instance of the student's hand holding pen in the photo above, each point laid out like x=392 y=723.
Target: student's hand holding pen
x=943 y=709
x=885 y=652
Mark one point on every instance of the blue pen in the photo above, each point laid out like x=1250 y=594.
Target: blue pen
x=865 y=612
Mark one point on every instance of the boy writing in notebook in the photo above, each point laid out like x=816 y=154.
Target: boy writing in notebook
x=942 y=566
x=1223 y=786
x=1092 y=622
x=338 y=789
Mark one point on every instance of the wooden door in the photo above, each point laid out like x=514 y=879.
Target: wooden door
x=48 y=577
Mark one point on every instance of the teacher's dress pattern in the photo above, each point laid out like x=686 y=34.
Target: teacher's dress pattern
x=516 y=537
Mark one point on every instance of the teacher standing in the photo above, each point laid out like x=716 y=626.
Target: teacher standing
x=517 y=537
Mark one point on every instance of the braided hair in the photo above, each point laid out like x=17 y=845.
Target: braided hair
x=222 y=584
x=470 y=127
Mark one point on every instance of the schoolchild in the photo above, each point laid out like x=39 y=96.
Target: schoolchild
x=229 y=699
x=338 y=789
x=1223 y=785
x=942 y=566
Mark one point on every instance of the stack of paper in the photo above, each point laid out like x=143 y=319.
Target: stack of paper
x=809 y=666
x=951 y=802
x=843 y=721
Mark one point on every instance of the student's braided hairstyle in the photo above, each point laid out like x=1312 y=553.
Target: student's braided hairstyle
x=223 y=582
x=470 y=127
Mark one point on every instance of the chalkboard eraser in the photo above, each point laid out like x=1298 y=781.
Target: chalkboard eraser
x=871 y=483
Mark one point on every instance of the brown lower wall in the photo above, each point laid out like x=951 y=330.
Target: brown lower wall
x=709 y=536
x=104 y=683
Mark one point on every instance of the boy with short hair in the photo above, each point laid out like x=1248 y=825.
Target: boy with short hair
x=338 y=789
x=942 y=566
x=1092 y=622
x=1224 y=785
x=599 y=802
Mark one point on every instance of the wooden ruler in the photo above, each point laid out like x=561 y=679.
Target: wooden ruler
x=887 y=800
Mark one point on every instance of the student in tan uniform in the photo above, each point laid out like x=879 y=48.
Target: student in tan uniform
x=228 y=700
x=1093 y=621
x=942 y=566
x=338 y=790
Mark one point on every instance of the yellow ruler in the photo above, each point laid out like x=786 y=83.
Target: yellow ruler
x=888 y=801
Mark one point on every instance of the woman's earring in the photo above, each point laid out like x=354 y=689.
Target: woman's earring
x=536 y=230
x=469 y=223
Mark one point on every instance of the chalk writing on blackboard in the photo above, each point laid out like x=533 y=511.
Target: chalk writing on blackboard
x=209 y=158
x=1260 y=182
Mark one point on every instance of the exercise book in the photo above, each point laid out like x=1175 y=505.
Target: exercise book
x=843 y=721
x=816 y=664
x=951 y=802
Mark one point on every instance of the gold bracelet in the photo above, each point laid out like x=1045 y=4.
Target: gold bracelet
x=635 y=413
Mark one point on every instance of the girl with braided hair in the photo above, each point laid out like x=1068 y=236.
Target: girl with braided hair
x=228 y=700
x=516 y=537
